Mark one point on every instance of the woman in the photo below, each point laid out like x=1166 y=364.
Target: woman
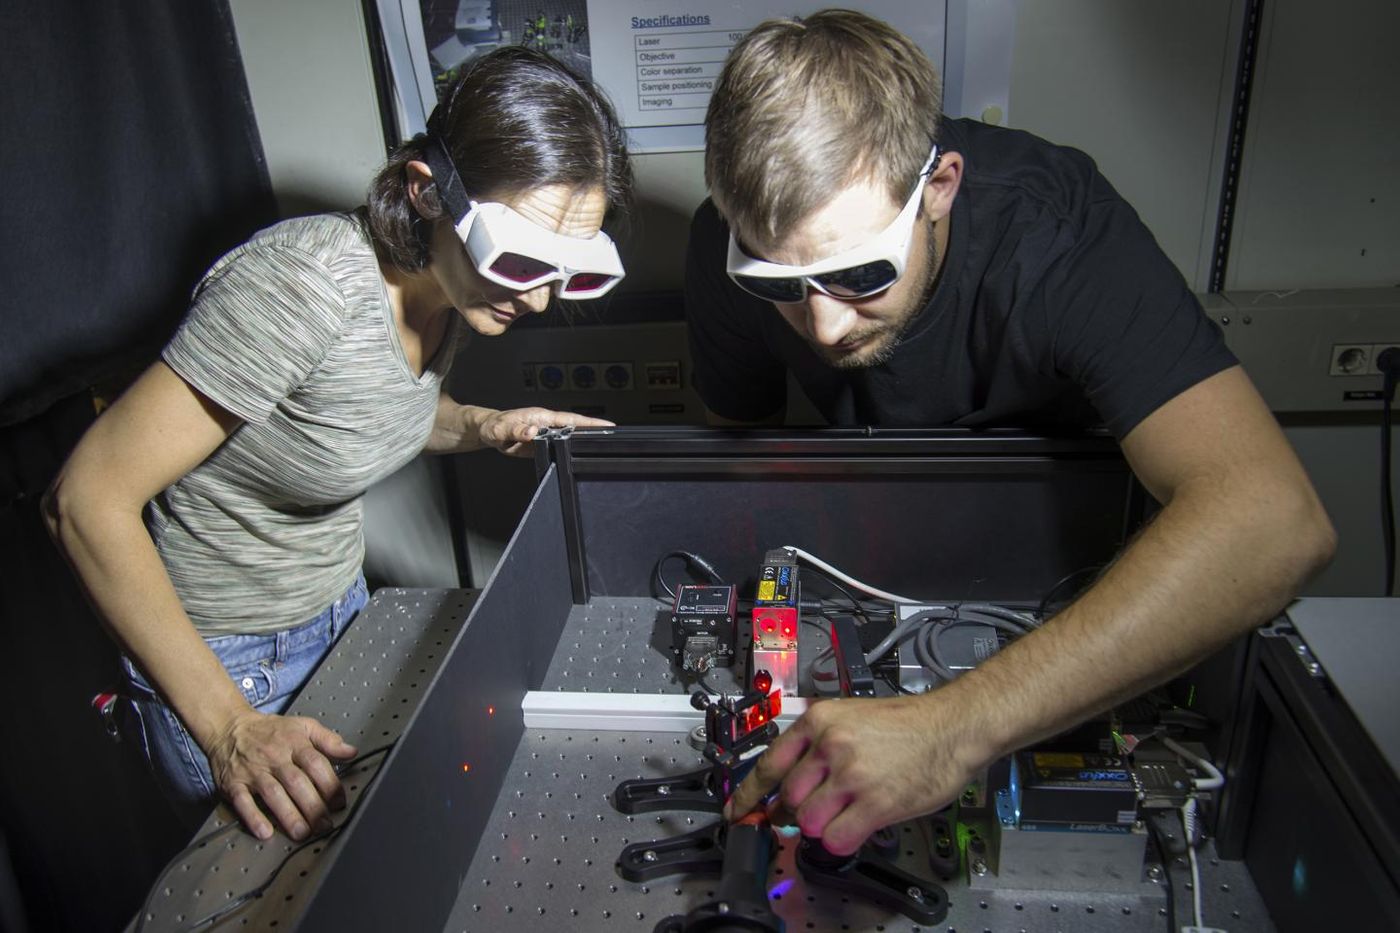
x=309 y=366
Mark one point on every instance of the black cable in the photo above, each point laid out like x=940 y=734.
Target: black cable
x=840 y=588
x=1060 y=584
x=257 y=891
x=1388 y=362
x=693 y=560
x=894 y=685
x=1166 y=858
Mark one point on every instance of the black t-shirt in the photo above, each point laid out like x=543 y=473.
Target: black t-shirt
x=1055 y=310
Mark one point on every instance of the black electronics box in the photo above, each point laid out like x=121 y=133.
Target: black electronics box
x=704 y=623
x=1062 y=787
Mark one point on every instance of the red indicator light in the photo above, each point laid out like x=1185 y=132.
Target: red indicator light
x=768 y=625
x=763 y=681
x=490 y=711
x=789 y=628
x=466 y=767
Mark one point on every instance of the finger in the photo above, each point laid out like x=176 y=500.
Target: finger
x=820 y=808
x=241 y=799
x=287 y=814
x=847 y=831
x=562 y=419
x=802 y=780
x=772 y=766
x=305 y=795
x=328 y=741
x=322 y=775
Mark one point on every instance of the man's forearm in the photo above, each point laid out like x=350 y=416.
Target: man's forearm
x=1212 y=566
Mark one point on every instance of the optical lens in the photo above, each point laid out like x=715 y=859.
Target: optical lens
x=586 y=282
x=859 y=281
x=518 y=268
x=785 y=290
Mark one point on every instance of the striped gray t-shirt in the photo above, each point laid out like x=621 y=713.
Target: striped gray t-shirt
x=293 y=333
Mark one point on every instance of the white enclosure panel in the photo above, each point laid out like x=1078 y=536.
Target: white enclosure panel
x=1320 y=188
x=1141 y=87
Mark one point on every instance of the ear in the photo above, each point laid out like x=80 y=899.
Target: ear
x=419 y=177
x=942 y=186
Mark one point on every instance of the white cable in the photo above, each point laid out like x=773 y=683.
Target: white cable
x=1215 y=780
x=848 y=580
x=1188 y=823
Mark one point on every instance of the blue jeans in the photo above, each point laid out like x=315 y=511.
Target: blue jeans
x=269 y=669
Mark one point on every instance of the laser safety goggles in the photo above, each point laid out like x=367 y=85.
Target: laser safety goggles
x=515 y=252
x=858 y=272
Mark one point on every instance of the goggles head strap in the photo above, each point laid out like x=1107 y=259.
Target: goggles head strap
x=449 y=184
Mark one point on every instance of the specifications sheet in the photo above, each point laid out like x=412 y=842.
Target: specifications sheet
x=658 y=60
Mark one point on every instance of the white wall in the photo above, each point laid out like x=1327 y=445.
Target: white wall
x=1320 y=192
x=308 y=69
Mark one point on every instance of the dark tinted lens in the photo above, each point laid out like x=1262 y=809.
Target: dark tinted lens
x=784 y=290
x=586 y=282
x=858 y=281
x=520 y=268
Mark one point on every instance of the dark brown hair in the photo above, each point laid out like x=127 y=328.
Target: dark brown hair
x=806 y=106
x=514 y=119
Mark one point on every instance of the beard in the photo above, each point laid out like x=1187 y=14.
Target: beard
x=876 y=345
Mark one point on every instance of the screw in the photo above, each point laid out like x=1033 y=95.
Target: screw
x=664 y=790
x=649 y=855
x=979 y=867
x=1155 y=872
x=915 y=893
x=722 y=907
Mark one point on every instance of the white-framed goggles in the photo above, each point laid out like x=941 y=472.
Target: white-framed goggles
x=515 y=252
x=858 y=272
x=510 y=250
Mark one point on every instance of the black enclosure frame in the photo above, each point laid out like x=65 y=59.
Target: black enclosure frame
x=940 y=513
x=591 y=530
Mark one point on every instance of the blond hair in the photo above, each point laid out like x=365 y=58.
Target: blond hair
x=806 y=106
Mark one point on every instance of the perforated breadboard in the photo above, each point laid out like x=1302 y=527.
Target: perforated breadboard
x=547 y=857
x=546 y=861
x=365 y=689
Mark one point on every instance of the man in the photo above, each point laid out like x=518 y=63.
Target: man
x=925 y=272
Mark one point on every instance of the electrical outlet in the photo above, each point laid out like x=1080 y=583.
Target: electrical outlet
x=663 y=375
x=583 y=376
x=550 y=376
x=1349 y=359
x=616 y=376
x=1374 y=366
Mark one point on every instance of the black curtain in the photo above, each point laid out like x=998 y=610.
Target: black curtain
x=130 y=161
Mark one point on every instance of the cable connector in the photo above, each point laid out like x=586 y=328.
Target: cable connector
x=1388 y=362
x=698 y=653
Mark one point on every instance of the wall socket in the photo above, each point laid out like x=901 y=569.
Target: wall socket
x=1350 y=359
x=1373 y=367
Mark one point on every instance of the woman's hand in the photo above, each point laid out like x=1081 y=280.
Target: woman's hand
x=284 y=761
x=511 y=431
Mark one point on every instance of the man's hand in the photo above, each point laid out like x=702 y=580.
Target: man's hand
x=512 y=430
x=283 y=761
x=847 y=768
